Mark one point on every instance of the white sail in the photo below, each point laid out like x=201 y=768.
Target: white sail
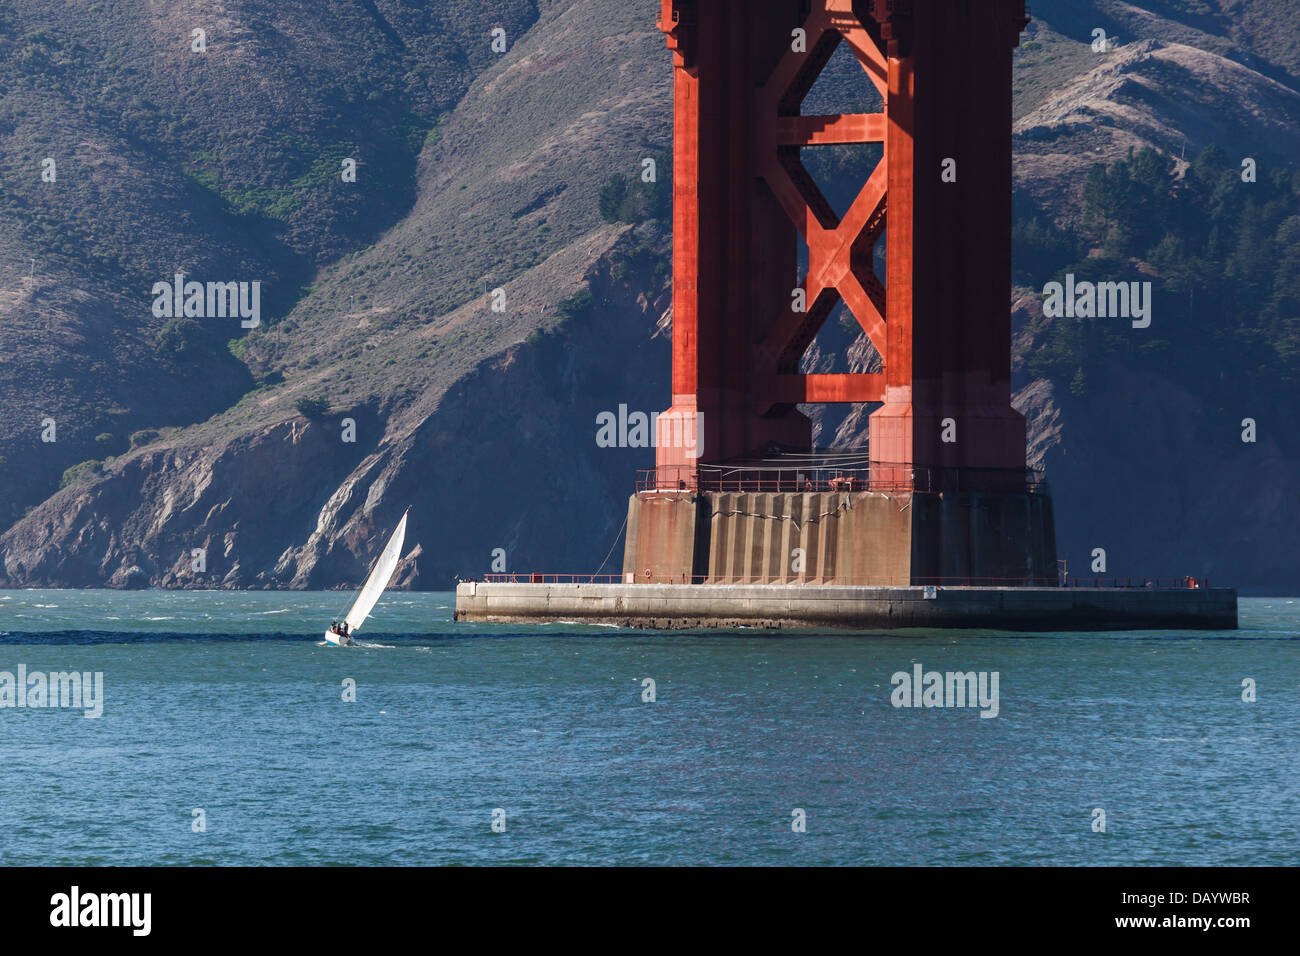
x=379 y=578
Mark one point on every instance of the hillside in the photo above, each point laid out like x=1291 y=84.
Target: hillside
x=220 y=164
x=398 y=336
x=480 y=171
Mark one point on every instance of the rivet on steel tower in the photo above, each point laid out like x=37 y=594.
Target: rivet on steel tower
x=941 y=495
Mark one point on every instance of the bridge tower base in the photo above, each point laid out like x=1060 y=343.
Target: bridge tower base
x=865 y=538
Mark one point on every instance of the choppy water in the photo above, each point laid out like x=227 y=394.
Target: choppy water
x=229 y=703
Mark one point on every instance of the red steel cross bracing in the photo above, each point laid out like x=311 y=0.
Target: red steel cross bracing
x=840 y=251
x=742 y=199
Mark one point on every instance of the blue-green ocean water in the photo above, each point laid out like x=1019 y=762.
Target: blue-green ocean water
x=229 y=702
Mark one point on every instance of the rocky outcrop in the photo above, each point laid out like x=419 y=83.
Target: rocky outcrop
x=505 y=457
x=190 y=515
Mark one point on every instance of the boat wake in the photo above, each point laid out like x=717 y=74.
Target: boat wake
x=365 y=644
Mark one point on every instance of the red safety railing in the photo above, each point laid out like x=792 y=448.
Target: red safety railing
x=647 y=577
x=790 y=478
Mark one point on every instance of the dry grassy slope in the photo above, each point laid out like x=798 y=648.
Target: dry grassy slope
x=222 y=164
x=511 y=184
x=1261 y=34
x=1148 y=93
x=1182 y=74
x=507 y=193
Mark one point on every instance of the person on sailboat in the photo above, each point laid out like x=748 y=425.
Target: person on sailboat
x=381 y=574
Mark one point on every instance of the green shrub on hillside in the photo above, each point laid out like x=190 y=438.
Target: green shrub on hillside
x=179 y=338
x=312 y=407
x=632 y=200
x=575 y=306
x=80 y=473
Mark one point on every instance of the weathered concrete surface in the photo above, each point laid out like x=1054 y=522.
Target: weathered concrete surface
x=851 y=538
x=661 y=536
x=676 y=606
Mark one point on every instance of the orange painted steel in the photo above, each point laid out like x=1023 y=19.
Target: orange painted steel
x=742 y=199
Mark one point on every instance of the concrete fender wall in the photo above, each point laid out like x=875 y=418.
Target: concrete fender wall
x=701 y=606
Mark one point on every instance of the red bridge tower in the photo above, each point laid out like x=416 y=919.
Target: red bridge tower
x=945 y=444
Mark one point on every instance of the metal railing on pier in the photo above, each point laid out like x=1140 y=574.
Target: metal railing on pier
x=648 y=577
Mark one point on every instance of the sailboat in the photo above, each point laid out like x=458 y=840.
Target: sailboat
x=380 y=576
